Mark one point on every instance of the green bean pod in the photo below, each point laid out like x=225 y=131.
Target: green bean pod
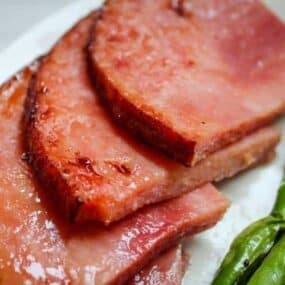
x=272 y=270
x=248 y=251
x=250 y=247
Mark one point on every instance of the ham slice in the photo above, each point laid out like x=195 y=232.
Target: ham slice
x=38 y=247
x=167 y=269
x=96 y=169
x=191 y=77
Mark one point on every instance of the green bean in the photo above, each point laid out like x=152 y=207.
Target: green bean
x=248 y=250
x=251 y=246
x=272 y=270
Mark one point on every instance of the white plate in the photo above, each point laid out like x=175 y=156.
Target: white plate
x=252 y=194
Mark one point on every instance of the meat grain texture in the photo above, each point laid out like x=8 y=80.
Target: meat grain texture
x=95 y=168
x=193 y=76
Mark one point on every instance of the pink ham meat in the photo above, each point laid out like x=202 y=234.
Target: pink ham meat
x=167 y=269
x=96 y=169
x=191 y=77
x=37 y=247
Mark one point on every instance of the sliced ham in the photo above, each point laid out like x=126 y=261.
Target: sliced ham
x=190 y=77
x=95 y=168
x=167 y=269
x=38 y=247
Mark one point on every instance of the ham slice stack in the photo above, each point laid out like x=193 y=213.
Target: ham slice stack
x=37 y=245
x=83 y=200
x=98 y=171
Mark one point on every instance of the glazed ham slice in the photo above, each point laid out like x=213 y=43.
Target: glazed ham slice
x=38 y=247
x=96 y=169
x=167 y=269
x=190 y=77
